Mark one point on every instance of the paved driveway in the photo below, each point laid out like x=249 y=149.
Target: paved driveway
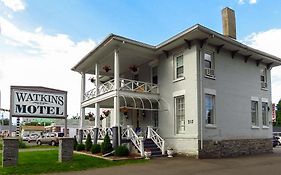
x=267 y=164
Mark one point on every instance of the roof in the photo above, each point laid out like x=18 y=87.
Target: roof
x=6 y=128
x=33 y=128
x=73 y=123
x=196 y=32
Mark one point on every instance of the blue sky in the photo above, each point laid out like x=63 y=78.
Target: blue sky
x=148 y=21
x=42 y=39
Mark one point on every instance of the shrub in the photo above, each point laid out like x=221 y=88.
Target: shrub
x=106 y=146
x=96 y=148
x=75 y=143
x=88 y=143
x=121 y=150
x=80 y=147
x=22 y=144
x=1 y=146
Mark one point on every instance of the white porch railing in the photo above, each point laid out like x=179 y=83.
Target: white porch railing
x=103 y=131
x=138 y=86
x=129 y=133
x=88 y=131
x=101 y=135
x=125 y=84
x=160 y=142
x=89 y=94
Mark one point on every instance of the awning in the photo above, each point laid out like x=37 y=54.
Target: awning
x=147 y=103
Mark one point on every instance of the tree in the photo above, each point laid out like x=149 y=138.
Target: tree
x=278 y=114
x=88 y=143
x=4 y=121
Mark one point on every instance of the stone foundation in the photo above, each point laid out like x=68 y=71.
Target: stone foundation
x=66 y=149
x=10 y=152
x=234 y=148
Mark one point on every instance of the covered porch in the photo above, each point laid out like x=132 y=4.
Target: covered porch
x=123 y=75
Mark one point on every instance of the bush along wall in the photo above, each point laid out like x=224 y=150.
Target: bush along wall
x=88 y=143
x=96 y=148
x=106 y=146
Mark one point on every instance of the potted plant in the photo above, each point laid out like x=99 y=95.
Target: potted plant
x=134 y=69
x=106 y=68
x=147 y=153
x=170 y=152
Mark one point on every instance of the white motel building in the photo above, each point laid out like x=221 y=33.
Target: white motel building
x=200 y=92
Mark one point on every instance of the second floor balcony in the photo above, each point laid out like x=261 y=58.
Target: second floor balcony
x=128 y=85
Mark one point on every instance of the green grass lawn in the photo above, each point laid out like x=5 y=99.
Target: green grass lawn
x=47 y=161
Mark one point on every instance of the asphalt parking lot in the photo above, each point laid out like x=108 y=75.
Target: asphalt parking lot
x=256 y=165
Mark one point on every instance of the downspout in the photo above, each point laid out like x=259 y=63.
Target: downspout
x=200 y=95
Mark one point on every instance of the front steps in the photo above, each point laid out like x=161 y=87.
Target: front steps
x=150 y=145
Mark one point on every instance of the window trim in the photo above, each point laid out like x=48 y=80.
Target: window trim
x=212 y=68
x=211 y=92
x=175 y=78
x=266 y=113
x=255 y=99
x=264 y=83
x=175 y=114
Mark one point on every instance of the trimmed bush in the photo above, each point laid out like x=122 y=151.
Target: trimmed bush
x=80 y=147
x=106 y=146
x=88 y=143
x=1 y=145
x=121 y=150
x=75 y=143
x=22 y=144
x=96 y=148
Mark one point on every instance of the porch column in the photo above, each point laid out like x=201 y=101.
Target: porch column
x=82 y=109
x=116 y=126
x=97 y=105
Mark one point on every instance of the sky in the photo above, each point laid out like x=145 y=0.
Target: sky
x=41 y=40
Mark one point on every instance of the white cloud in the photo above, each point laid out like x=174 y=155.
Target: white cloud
x=40 y=59
x=248 y=1
x=15 y=5
x=269 y=41
x=252 y=1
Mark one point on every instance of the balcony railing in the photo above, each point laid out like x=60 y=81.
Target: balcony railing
x=125 y=85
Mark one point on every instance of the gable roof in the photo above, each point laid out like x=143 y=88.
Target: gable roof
x=196 y=32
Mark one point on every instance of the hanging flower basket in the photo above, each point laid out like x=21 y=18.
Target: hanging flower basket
x=106 y=68
x=134 y=69
x=92 y=79
x=106 y=112
x=125 y=110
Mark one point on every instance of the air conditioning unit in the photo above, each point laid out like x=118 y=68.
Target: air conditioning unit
x=263 y=85
x=210 y=72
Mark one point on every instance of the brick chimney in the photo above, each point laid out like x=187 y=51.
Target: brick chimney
x=228 y=22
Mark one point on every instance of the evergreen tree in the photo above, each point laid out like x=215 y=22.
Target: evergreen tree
x=88 y=143
x=278 y=114
x=106 y=146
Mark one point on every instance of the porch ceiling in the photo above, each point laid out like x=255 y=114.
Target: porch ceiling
x=129 y=54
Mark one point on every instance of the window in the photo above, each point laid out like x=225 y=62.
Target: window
x=264 y=114
x=254 y=113
x=178 y=63
x=180 y=114
x=209 y=67
x=264 y=78
x=210 y=108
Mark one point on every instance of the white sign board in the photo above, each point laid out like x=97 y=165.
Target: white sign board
x=38 y=102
